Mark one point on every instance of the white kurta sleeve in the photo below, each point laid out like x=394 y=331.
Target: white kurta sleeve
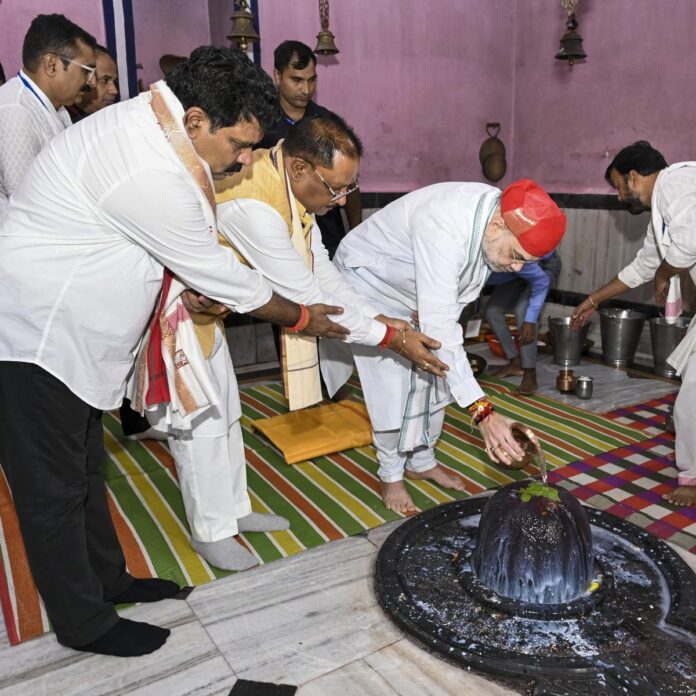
x=261 y=236
x=643 y=267
x=681 y=216
x=19 y=145
x=160 y=211
x=438 y=265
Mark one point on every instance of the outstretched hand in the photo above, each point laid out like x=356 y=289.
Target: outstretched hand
x=398 y=324
x=581 y=314
x=416 y=347
x=321 y=325
x=501 y=445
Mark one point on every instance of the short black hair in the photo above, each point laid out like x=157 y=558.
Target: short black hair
x=641 y=156
x=227 y=85
x=103 y=51
x=318 y=140
x=52 y=33
x=293 y=53
x=2 y=73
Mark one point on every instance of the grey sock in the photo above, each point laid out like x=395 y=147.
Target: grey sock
x=226 y=553
x=262 y=522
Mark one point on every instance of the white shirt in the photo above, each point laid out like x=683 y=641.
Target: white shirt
x=102 y=209
x=28 y=122
x=261 y=236
x=673 y=218
x=422 y=253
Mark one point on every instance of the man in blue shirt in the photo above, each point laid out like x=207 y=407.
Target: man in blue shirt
x=523 y=293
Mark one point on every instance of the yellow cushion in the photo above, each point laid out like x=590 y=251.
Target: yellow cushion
x=314 y=432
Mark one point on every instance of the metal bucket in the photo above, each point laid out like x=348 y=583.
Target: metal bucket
x=621 y=329
x=665 y=338
x=567 y=344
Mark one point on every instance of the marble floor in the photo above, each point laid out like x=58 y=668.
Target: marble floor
x=310 y=620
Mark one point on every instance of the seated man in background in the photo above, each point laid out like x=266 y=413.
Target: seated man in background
x=265 y=213
x=295 y=76
x=103 y=92
x=427 y=255
x=523 y=293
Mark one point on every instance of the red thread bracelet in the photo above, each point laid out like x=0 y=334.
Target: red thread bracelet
x=388 y=336
x=302 y=322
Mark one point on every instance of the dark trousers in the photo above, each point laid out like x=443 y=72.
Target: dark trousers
x=52 y=451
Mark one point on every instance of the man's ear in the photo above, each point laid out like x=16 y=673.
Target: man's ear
x=276 y=76
x=195 y=121
x=50 y=63
x=297 y=168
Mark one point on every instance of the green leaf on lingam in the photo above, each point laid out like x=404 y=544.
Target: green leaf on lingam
x=536 y=488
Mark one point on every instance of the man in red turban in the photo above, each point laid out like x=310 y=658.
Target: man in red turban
x=428 y=255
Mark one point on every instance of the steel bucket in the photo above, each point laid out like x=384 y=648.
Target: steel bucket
x=665 y=338
x=621 y=329
x=567 y=344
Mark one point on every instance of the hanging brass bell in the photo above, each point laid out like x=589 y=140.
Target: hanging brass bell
x=243 y=31
x=326 y=46
x=571 y=43
x=492 y=154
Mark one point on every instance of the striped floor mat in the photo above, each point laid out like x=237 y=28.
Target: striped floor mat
x=325 y=499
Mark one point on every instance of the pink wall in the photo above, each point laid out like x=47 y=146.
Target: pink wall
x=636 y=84
x=16 y=16
x=417 y=80
x=167 y=26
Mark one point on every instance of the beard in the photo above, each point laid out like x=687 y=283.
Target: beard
x=634 y=205
x=490 y=249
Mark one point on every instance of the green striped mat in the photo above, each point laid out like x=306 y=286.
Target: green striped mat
x=325 y=499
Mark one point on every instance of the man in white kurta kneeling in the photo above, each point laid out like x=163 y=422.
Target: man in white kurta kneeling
x=266 y=213
x=426 y=256
x=645 y=183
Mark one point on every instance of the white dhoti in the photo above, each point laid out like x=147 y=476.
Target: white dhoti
x=386 y=380
x=210 y=459
x=684 y=408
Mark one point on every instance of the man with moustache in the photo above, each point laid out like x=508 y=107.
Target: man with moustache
x=645 y=183
x=105 y=208
x=103 y=93
x=426 y=256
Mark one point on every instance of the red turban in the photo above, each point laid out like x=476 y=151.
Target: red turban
x=532 y=217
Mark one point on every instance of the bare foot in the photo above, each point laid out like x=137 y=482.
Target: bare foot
x=682 y=496
x=528 y=385
x=395 y=497
x=439 y=475
x=512 y=369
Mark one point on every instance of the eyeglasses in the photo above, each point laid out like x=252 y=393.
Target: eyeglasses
x=91 y=71
x=336 y=195
x=519 y=259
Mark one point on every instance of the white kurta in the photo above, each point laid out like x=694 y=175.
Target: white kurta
x=261 y=236
x=422 y=253
x=673 y=218
x=102 y=209
x=28 y=122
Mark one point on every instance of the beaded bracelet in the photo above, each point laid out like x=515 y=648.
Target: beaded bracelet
x=388 y=335
x=480 y=410
x=302 y=322
x=592 y=302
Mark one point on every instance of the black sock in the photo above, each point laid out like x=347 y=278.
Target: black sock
x=128 y=639
x=146 y=590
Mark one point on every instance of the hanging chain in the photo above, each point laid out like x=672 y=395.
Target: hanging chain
x=324 y=14
x=569 y=6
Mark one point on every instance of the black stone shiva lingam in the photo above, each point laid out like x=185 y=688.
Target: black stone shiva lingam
x=547 y=596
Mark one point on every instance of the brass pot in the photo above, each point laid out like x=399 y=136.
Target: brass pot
x=566 y=381
x=492 y=154
x=494 y=167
